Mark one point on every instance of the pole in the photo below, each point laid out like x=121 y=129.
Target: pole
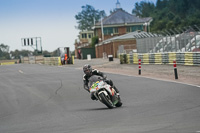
x=174 y=39
x=197 y=27
x=36 y=47
x=179 y=34
x=139 y=63
x=175 y=70
x=102 y=29
x=41 y=44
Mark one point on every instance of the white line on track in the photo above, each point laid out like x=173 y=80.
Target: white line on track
x=157 y=79
x=21 y=71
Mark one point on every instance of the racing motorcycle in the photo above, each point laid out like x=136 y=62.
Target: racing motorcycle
x=104 y=92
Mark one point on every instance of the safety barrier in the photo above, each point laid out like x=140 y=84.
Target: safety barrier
x=7 y=63
x=33 y=60
x=186 y=58
x=45 y=60
x=52 y=61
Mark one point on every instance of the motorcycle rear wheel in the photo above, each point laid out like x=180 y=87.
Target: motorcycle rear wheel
x=119 y=104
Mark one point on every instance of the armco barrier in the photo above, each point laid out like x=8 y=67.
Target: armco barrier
x=151 y=58
x=7 y=63
x=165 y=59
x=135 y=58
x=180 y=58
x=158 y=58
x=172 y=57
x=187 y=58
x=196 y=58
x=145 y=58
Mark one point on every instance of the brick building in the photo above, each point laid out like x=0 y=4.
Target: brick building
x=118 y=29
x=119 y=23
x=115 y=30
x=85 y=39
x=110 y=46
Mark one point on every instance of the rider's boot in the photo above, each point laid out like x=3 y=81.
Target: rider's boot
x=116 y=90
x=93 y=96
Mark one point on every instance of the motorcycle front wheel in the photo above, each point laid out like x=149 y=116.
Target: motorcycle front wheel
x=106 y=101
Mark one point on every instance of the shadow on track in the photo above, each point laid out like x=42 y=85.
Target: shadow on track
x=98 y=109
x=93 y=109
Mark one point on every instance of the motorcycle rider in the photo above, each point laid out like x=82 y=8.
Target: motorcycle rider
x=87 y=69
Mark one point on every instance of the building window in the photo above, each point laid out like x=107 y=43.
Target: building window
x=128 y=29
x=137 y=27
x=115 y=30
x=107 y=31
x=89 y=35
x=84 y=35
x=134 y=28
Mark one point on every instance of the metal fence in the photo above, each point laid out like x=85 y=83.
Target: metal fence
x=127 y=49
x=177 y=40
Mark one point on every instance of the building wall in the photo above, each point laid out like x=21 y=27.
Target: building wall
x=86 y=36
x=76 y=49
x=112 y=47
x=84 y=40
x=121 y=31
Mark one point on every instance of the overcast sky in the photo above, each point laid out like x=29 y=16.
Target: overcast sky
x=52 y=20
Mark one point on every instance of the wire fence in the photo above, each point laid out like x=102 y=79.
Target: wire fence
x=177 y=40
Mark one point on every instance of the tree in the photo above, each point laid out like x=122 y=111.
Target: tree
x=143 y=9
x=169 y=14
x=16 y=54
x=161 y=4
x=4 y=48
x=95 y=40
x=4 y=52
x=87 y=16
x=54 y=53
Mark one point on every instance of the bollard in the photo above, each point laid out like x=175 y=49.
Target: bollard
x=139 y=63
x=175 y=70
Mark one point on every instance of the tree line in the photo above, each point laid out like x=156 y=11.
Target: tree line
x=166 y=14
x=169 y=14
x=5 y=54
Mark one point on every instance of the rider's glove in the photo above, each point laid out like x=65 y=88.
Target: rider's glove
x=86 y=88
x=104 y=77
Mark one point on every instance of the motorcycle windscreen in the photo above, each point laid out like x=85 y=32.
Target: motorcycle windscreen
x=93 y=79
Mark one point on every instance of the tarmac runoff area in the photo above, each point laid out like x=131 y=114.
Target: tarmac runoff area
x=189 y=75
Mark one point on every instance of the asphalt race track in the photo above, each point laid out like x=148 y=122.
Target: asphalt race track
x=51 y=99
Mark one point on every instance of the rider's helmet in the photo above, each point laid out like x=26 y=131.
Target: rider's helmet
x=87 y=69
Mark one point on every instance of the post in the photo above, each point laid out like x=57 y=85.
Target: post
x=175 y=70
x=102 y=32
x=139 y=63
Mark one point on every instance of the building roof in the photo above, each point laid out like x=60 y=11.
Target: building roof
x=129 y=36
x=122 y=17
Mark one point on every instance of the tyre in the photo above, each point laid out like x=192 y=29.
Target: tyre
x=106 y=101
x=119 y=104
